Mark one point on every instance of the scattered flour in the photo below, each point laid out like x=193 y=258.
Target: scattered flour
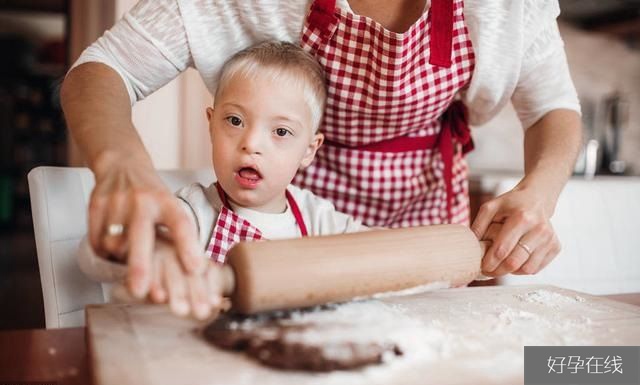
x=548 y=298
x=544 y=327
x=484 y=339
x=359 y=322
x=509 y=315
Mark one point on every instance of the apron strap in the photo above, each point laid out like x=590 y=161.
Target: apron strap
x=441 y=33
x=292 y=203
x=297 y=214
x=322 y=14
x=223 y=196
x=454 y=127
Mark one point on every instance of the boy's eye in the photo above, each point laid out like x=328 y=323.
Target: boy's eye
x=282 y=131
x=234 y=120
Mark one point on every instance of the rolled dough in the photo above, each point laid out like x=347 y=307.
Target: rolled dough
x=290 y=340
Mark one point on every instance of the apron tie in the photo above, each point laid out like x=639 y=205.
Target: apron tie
x=455 y=129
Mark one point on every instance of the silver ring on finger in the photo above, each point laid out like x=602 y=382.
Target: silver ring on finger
x=115 y=229
x=525 y=248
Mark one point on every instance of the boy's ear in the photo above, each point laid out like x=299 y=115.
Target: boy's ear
x=311 y=150
x=209 y=113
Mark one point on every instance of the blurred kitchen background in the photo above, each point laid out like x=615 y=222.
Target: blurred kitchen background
x=41 y=38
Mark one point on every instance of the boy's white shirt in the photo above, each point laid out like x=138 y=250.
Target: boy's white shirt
x=203 y=204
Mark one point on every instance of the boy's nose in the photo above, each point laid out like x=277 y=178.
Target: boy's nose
x=252 y=142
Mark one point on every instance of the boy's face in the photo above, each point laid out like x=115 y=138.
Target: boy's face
x=261 y=134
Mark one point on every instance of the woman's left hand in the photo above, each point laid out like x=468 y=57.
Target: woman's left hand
x=517 y=223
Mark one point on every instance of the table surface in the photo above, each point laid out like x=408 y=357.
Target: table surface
x=60 y=355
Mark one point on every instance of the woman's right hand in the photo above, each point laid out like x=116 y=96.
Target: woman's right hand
x=127 y=204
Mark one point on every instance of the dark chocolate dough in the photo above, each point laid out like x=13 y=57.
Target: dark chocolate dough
x=270 y=339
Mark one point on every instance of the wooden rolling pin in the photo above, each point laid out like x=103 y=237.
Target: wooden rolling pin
x=261 y=276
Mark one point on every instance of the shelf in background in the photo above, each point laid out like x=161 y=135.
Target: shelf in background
x=47 y=6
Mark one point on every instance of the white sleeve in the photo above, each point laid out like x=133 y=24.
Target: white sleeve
x=97 y=268
x=332 y=221
x=200 y=204
x=544 y=82
x=346 y=223
x=148 y=47
x=322 y=215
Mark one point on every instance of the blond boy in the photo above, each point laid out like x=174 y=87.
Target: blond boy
x=264 y=127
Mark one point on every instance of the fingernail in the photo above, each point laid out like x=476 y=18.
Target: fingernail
x=135 y=288
x=202 y=311
x=140 y=289
x=215 y=300
x=181 y=307
x=159 y=296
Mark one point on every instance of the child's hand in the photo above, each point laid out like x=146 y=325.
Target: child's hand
x=198 y=294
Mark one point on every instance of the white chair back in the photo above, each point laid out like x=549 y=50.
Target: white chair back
x=59 y=201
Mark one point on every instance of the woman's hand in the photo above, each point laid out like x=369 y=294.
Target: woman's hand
x=517 y=223
x=196 y=294
x=127 y=204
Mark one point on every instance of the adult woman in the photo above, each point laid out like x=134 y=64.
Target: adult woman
x=396 y=134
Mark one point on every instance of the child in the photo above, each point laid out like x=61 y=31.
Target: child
x=264 y=127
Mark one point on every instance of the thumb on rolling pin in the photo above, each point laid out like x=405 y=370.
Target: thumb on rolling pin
x=484 y=246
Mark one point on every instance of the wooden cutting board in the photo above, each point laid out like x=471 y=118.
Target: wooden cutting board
x=463 y=336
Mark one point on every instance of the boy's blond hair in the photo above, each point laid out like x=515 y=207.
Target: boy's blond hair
x=283 y=62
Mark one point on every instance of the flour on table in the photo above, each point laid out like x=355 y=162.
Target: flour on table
x=360 y=322
x=549 y=298
x=341 y=336
x=543 y=329
x=482 y=338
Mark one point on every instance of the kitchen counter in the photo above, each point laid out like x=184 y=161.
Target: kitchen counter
x=486 y=181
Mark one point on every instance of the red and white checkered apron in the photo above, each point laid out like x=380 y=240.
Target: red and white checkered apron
x=395 y=137
x=230 y=228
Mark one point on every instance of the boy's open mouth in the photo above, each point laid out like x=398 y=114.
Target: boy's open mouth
x=249 y=173
x=248 y=177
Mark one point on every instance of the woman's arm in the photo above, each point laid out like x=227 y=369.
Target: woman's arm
x=98 y=113
x=551 y=147
x=141 y=53
x=128 y=190
x=518 y=222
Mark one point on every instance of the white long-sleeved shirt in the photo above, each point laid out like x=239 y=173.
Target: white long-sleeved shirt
x=518 y=49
